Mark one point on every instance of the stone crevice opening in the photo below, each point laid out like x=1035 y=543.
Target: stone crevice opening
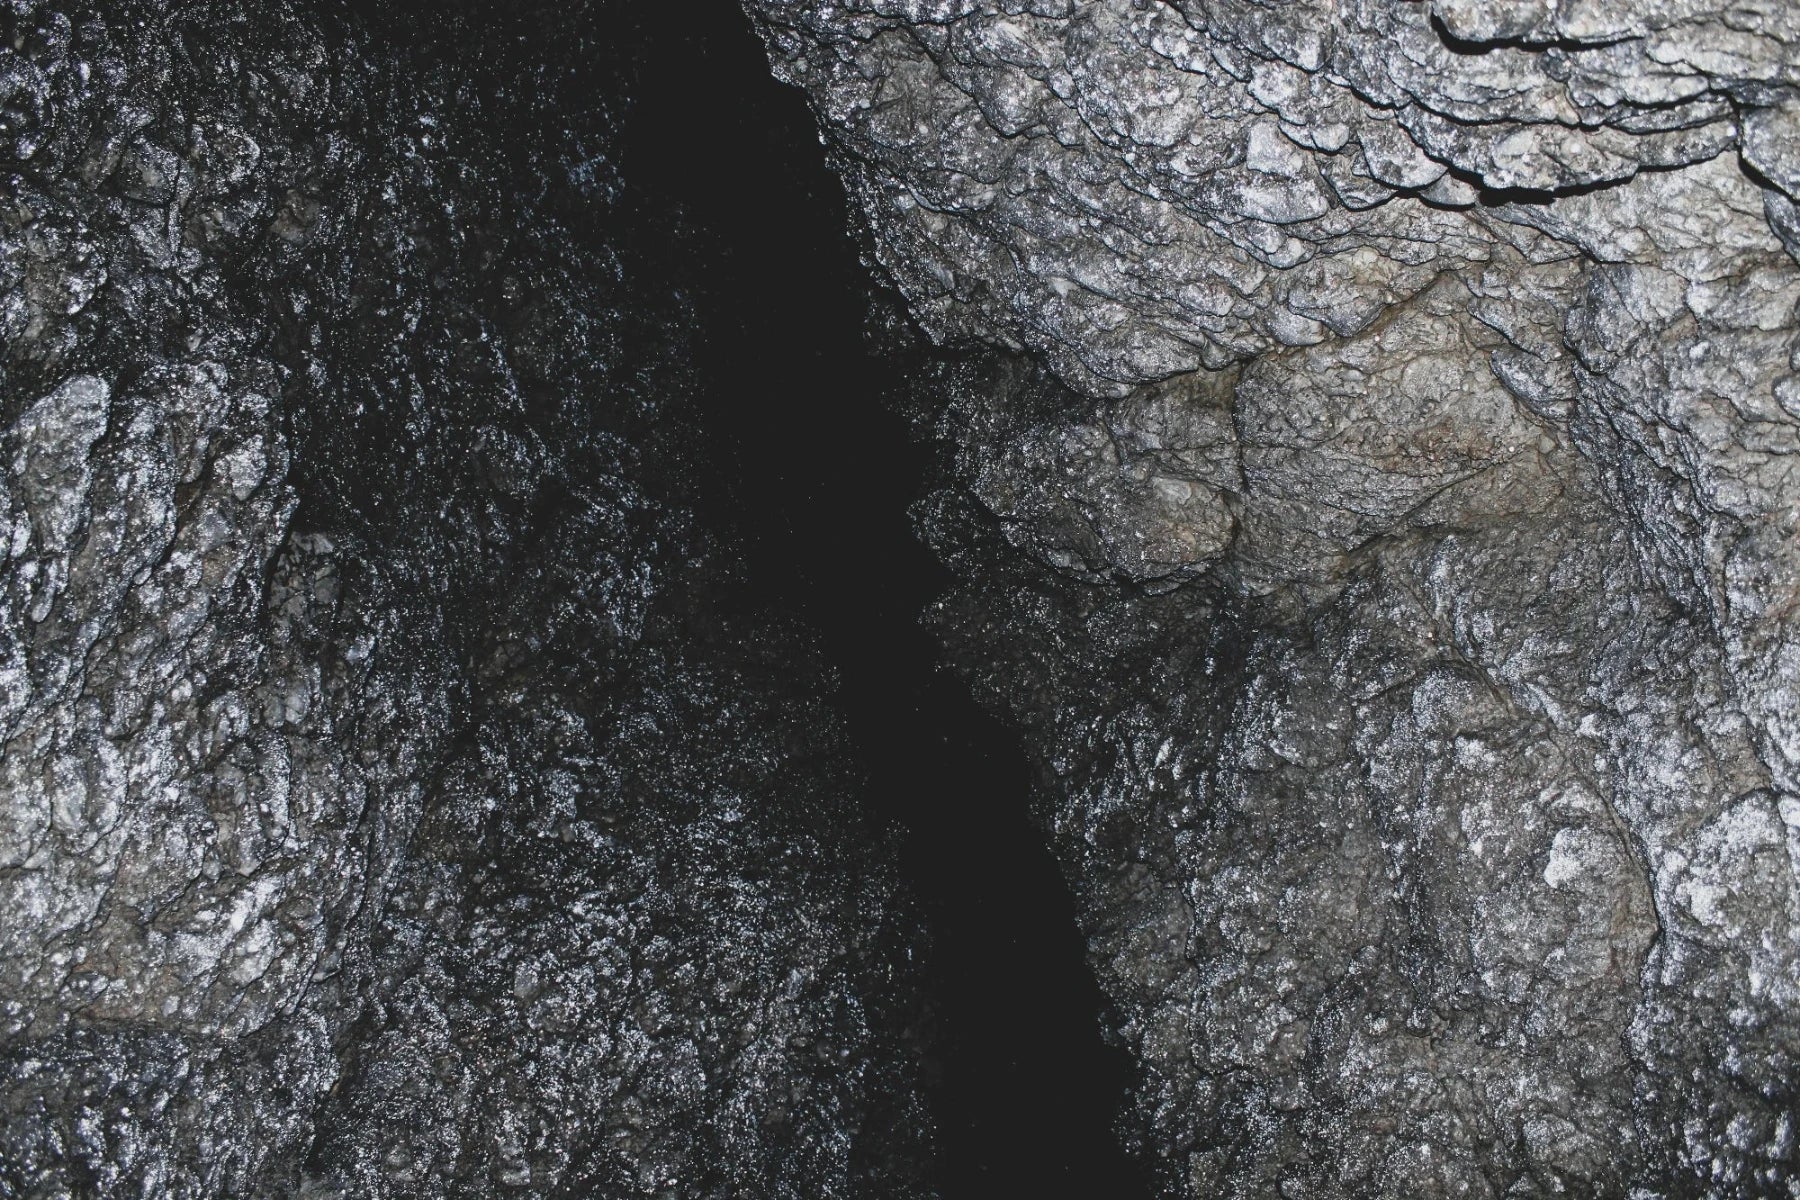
x=810 y=423
x=468 y=728
x=845 y=598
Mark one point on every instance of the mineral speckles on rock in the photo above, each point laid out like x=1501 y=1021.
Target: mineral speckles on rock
x=1392 y=568
x=396 y=796
x=1422 y=760
x=121 y=611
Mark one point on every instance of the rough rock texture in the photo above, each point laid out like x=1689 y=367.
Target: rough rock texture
x=1403 y=602
x=397 y=794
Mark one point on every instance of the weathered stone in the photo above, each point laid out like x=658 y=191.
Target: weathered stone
x=1428 y=765
x=398 y=797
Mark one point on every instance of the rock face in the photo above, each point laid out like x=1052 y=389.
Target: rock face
x=398 y=794
x=1395 y=565
x=1376 y=502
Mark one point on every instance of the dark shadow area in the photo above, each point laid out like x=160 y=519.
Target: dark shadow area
x=819 y=474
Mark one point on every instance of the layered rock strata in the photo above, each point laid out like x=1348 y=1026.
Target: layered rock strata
x=1394 y=566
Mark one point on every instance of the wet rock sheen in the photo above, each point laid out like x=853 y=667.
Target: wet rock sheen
x=1368 y=457
x=401 y=794
x=1377 y=508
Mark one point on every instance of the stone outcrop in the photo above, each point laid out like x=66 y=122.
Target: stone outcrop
x=1394 y=564
x=399 y=793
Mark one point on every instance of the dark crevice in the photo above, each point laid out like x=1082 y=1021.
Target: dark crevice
x=1474 y=48
x=817 y=474
x=1497 y=197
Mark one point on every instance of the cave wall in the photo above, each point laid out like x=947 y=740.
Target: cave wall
x=1366 y=433
x=1377 y=508
x=402 y=792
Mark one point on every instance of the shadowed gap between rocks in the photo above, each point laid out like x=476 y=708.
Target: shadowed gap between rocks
x=821 y=473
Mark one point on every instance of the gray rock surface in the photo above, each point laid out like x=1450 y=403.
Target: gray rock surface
x=399 y=795
x=1395 y=566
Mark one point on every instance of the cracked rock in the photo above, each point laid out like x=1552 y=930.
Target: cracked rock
x=1427 y=762
x=398 y=794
